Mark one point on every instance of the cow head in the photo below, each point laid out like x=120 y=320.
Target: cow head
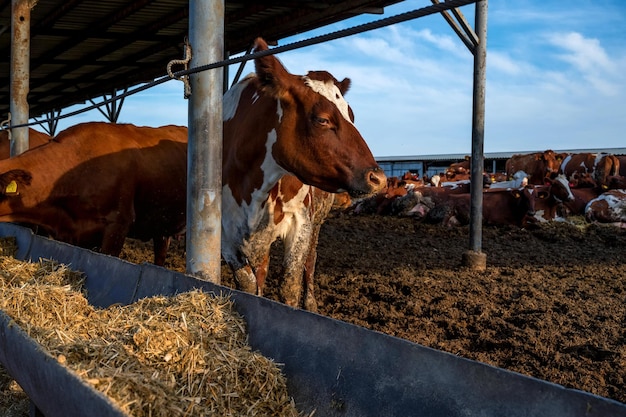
x=314 y=137
x=559 y=188
x=552 y=163
x=11 y=183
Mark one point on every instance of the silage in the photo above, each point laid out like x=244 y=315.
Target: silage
x=185 y=355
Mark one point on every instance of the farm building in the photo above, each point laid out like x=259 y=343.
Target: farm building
x=429 y=165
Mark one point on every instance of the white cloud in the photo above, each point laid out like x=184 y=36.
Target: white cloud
x=588 y=57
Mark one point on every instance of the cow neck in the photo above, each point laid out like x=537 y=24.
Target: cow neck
x=249 y=155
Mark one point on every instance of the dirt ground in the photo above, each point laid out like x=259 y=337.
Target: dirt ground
x=551 y=303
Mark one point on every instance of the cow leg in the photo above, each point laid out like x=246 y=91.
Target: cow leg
x=309 y=267
x=260 y=267
x=310 y=303
x=113 y=239
x=296 y=250
x=245 y=279
x=161 y=246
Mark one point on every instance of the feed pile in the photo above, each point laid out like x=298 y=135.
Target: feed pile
x=185 y=355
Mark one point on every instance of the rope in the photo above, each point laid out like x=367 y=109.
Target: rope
x=185 y=63
x=403 y=17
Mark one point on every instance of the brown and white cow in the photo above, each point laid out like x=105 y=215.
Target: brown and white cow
x=277 y=123
x=96 y=183
x=598 y=165
x=35 y=138
x=537 y=165
x=608 y=207
x=550 y=198
x=297 y=213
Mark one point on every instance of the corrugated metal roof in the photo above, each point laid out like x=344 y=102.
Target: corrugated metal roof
x=489 y=155
x=84 y=49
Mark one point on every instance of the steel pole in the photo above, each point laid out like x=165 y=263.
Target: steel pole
x=20 y=73
x=204 y=160
x=475 y=258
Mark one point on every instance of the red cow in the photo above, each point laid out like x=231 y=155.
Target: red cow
x=500 y=207
x=459 y=171
x=451 y=207
x=622 y=165
x=616 y=182
x=608 y=207
x=342 y=201
x=537 y=165
x=277 y=123
x=599 y=165
x=380 y=203
x=576 y=207
x=97 y=183
x=35 y=138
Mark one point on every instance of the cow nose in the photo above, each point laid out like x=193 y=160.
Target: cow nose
x=377 y=179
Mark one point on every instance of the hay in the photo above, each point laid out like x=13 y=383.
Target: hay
x=185 y=355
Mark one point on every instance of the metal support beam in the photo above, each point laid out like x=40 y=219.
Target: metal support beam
x=20 y=72
x=475 y=258
x=113 y=108
x=204 y=156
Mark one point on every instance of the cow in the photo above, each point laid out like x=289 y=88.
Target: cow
x=500 y=207
x=520 y=179
x=582 y=180
x=576 y=207
x=35 y=138
x=549 y=199
x=275 y=124
x=537 y=165
x=614 y=182
x=381 y=202
x=608 y=207
x=419 y=200
x=459 y=171
x=96 y=183
x=622 y=164
x=599 y=165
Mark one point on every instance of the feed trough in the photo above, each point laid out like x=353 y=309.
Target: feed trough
x=332 y=367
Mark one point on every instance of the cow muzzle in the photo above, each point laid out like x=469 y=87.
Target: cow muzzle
x=371 y=182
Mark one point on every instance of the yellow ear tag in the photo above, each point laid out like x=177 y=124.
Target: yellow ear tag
x=11 y=188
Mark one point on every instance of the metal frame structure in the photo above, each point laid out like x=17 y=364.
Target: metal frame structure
x=207 y=39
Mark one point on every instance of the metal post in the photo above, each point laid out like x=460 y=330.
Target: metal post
x=20 y=72
x=474 y=257
x=204 y=158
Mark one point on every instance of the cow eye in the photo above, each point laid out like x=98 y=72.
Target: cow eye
x=322 y=121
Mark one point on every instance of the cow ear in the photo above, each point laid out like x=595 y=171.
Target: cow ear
x=12 y=181
x=271 y=73
x=344 y=86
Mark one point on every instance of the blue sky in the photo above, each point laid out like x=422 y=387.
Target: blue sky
x=556 y=79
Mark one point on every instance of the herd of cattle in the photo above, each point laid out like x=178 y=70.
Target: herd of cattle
x=290 y=153
x=95 y=184
x=536 y=187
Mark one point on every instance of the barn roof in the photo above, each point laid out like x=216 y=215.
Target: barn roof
x=83 y=49
x=488 y=155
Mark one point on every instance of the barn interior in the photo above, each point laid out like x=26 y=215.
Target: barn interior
x=85 y=49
